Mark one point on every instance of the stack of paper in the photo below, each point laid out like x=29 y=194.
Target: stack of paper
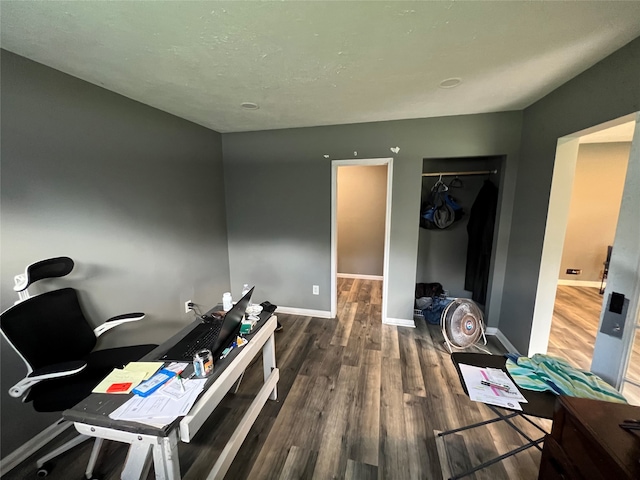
x=163 y=406
x=492 y=386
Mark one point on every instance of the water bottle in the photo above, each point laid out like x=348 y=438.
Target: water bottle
x=227 y=302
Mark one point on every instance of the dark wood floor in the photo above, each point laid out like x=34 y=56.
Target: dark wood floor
x=357 y=400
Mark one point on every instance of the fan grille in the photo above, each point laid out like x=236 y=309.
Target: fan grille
x=462 y=322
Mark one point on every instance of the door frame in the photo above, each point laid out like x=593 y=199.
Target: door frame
x=557 y=218
x=364 y=162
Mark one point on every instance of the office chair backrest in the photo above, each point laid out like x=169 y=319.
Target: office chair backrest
x=49 y=268
x=49 y=328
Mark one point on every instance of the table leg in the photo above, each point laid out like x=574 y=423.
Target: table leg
x=136 y=465
x=269 y=362
x=97 y=445
x=165 y=457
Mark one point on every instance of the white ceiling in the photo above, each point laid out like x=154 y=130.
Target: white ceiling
x=320 y=63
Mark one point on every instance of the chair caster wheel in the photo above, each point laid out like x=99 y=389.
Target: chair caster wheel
x=44 y=470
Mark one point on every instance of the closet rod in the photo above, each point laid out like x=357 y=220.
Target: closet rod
x=451 y=174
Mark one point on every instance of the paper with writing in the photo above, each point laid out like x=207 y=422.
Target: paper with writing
x=159 y=409
x=473 y=378
x=119 y=376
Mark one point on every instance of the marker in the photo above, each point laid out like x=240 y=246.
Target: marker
x=227 y=350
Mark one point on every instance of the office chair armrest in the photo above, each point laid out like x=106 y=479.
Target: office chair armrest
x=46 y=373
x=115 y=321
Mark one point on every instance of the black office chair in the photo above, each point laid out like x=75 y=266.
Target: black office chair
x=52 y=336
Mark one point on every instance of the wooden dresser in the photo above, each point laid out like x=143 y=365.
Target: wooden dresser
x=586 y=442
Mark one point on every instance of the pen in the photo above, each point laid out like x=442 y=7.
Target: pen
x=495 y=385
x=181 y=384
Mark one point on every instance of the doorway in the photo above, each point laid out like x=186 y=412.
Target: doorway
x=363 y=248
x=596 y=195
x=611 y=352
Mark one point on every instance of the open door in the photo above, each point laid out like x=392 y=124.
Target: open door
x=621 y=302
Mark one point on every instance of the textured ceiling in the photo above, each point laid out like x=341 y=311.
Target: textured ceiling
x=320 y=63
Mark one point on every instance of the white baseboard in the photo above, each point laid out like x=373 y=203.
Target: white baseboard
x=400 y=322
x=30 y=447
x=304 y=312
x=580 y=283
x=493 y=331
x=362 y=277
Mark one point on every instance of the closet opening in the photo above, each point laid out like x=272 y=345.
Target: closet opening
x=458 y=230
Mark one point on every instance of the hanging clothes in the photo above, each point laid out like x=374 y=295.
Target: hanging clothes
x=440 y=210
x=480 y=229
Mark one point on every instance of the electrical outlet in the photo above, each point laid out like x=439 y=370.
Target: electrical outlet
x=573 y=271
x=187 y=307
x=316 y=289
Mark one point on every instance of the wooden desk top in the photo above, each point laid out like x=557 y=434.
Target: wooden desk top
x=599 y=421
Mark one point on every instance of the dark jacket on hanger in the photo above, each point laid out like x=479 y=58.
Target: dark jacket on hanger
x=480 y=230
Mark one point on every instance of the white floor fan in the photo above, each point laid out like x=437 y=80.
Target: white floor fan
x=462 y=325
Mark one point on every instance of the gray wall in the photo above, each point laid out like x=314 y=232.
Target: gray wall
x=361 y=208
x=279 y=199
x=132 y=194
x=608 y=90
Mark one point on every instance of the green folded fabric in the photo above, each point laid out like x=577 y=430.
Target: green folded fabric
x=544 y=372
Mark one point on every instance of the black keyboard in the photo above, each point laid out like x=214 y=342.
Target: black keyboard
x=203 y=341
x=203 y=336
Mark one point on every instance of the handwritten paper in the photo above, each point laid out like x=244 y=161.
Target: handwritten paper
x=149 y=367
x=119 y=376
x=133 y=373
x=473 y=378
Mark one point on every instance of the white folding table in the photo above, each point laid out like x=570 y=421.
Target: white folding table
x=90 y=417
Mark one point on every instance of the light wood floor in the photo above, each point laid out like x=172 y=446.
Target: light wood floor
x=576 y=316
x=357 y=400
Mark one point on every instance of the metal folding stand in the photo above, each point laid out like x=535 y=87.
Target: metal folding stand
x=506 y=419
x=539 y=405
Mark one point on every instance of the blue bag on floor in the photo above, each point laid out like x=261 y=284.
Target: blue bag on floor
x=433 y=312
